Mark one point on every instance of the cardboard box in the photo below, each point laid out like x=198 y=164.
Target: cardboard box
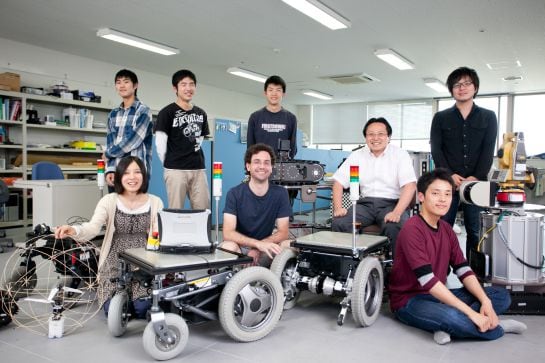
x=10 y=80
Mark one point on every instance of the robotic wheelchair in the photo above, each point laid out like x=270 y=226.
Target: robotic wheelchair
x=336 y=264
x=195 y=288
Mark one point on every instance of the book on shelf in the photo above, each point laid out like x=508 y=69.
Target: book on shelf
x=15 y=110
x=10 y=109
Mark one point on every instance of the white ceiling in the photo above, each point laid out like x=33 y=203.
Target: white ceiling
x=269 y=37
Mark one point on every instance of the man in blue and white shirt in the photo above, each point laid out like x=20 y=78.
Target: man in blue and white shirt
x=129 y=127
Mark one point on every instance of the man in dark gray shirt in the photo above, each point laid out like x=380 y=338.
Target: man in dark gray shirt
x=463 y=139
x=272 y=123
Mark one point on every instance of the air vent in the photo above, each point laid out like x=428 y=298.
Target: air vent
x=512 y=78
x=353 y=78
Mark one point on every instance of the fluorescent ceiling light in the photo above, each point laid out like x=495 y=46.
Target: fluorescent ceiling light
x=394 y=59
x=496 y=66
x=135 y=41
x=320 y=12
x=316 y=94
x=247 y=74
x=436 y=85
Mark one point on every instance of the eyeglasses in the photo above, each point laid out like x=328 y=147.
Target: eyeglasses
x=376 y=134
x=460 y=84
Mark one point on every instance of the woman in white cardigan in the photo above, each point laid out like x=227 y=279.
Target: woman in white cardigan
x=130 y=217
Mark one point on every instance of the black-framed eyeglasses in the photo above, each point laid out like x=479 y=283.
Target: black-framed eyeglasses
x=462 y=84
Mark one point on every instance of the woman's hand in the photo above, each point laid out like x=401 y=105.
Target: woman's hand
x=64 y=231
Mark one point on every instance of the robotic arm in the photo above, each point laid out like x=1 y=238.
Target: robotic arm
x=513 y=173
x=506 y=184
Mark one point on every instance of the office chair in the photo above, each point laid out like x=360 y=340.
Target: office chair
x=4 y=197
x=46 y=170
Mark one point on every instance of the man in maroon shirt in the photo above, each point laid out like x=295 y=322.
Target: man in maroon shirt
x=426 y=248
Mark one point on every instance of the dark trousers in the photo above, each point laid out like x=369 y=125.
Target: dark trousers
x=471 y=220
x=372 y=211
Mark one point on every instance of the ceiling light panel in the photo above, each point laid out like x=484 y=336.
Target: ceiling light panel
x=316 y=94
x=258 y=77
x=394 y=59
x=320 y=12
x=436 y=85
x=135 y=41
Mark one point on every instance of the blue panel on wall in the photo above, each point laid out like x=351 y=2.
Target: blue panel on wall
x=228 y=149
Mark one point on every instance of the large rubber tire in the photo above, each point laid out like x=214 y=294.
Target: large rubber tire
x=251 y=304
x=367 y=289
x=118 y=314
x=8 y=308
x=21 y=284
x=283 y=266
x=161 y=350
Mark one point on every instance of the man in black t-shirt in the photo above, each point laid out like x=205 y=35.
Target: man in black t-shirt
x=181 y=128
x=253 y=209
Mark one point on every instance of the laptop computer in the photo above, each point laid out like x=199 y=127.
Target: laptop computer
x=185 y=231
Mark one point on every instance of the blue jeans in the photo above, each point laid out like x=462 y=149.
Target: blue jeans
x=471 y=221
x=427 y=313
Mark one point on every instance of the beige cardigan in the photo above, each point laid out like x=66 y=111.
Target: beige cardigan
x=104 y=215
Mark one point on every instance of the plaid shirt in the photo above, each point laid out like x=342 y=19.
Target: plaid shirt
x=129 y=133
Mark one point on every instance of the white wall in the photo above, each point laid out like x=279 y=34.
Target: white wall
x=41 y=67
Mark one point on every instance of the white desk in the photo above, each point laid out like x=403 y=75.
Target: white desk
x=56 y=201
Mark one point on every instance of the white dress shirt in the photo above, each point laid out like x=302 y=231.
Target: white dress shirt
x=380 y=176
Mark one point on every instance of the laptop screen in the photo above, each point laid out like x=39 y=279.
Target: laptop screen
x=181 y=228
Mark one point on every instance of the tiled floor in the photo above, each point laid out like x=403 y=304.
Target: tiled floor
x=307 y=333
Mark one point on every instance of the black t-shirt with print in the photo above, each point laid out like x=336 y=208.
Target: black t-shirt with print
x=185 y=131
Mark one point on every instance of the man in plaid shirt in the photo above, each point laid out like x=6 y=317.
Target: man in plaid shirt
x=129 y=127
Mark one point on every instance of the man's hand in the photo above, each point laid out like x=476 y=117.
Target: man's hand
x=481 y=321
x=110 y=179
x=488 y=311
x=392 y=217
x=457 y=179
x=339 y=212
x=270 y=248
x=255 y=254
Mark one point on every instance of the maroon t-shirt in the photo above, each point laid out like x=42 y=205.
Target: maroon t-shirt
x=422 y=258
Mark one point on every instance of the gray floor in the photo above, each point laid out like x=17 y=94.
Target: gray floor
x=307 y=333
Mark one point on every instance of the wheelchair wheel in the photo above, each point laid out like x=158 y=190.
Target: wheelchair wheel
x=367 y=289
x=251 y=304
x=159 y=349
x=283 y=266
x=118 y=314
x=22 y=282
x=8 y=307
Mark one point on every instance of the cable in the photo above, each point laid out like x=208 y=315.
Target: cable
x=76 y=220
x=504 y=240
x=485 y=235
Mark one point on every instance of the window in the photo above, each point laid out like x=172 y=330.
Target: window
x=528 y=117
x=410 y=121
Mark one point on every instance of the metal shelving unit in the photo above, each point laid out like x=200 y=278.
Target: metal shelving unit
x=27 y=140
